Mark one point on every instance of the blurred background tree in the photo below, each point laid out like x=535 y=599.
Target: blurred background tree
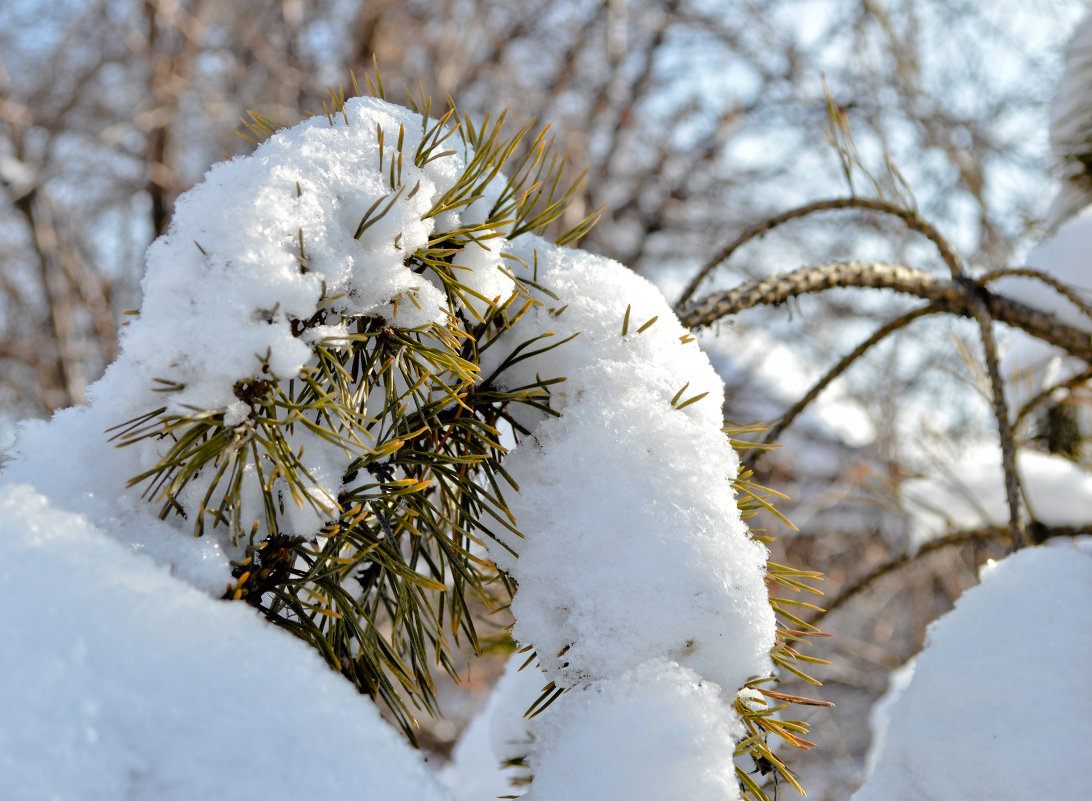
x=694 y=120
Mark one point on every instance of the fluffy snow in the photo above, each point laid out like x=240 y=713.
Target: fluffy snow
x=70 y=461
x=640 y=589
x=655 y=732
x=647 y=557
x=238 y=233
x=999 y=705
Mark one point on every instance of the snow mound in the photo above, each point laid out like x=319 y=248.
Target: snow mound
x=121 y=681
x=998 y=705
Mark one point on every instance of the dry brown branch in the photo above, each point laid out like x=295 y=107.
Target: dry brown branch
x=1001 y=415
x=1037 y=533
x=1064 y=290
x=911 y=218
x=956 y=297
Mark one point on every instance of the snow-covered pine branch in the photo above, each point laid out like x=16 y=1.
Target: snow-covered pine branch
x=340 y=336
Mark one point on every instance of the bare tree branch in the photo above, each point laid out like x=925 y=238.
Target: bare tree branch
x=1001 y=414
x=1067 y=292
x=1045 y=395
x=1038 y=533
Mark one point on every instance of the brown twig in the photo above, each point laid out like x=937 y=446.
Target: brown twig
x=1064 y=290
x=1038 y=533
x=1004 y=427
x=881 y=333
x=902 y=560
x=1073 y=381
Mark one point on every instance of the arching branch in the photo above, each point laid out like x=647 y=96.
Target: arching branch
x=1064 y=290
x=911 y=218
x=1073 y=381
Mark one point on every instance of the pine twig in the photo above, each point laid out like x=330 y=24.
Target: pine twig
x=1064 y=290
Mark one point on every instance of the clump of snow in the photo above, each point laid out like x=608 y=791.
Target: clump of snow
x=998 y=705
x=234 y=246
x=597 y=743
x=640 y=588
x=969 y=492
x=646 y=557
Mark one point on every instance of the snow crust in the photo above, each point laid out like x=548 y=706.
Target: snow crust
x=640 y=589
x=998 y=705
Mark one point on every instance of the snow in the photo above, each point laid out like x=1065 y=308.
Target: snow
x=999 y=704
x=640 y=589
x=121 y=681
x=238 y=233
x=597 y=743
x=649 y=507
x=499 y=732
x=70 y=461
x=968 y=492
x=1071 y=126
